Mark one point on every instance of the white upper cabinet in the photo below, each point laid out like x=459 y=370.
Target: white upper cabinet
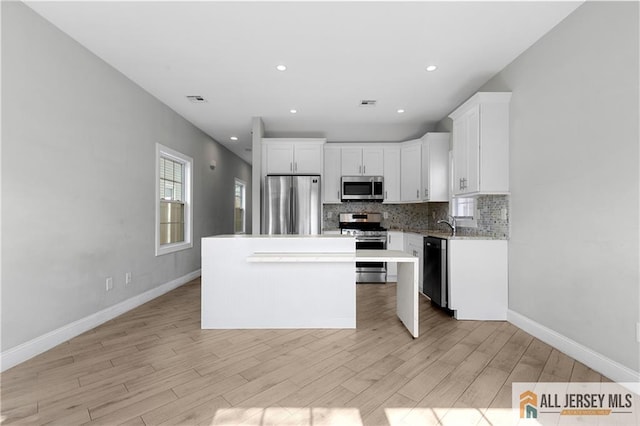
x=362 y=161
x=332 y=174
x=410 y=177
x=392 y=174
x=435 y=167
x=292 y=156
x=279 y=157
x=481 y=145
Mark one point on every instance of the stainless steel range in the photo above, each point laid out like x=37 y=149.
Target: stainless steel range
x=370 y=235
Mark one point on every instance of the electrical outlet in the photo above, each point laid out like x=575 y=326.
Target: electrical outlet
x=127 y=278
x=503 y=214
x=433 y=215
x=329 y=215
x=385 y=215
x=109 y=283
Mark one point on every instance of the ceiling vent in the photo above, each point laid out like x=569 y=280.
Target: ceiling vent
x=197 y=99
x=368 y=103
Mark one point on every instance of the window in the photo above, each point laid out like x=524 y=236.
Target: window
x=173 y=201
x=464 y=210
x=239 y=215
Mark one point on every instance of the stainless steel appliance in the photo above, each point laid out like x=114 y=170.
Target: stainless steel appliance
x=370 y=235
x=362 y=188
x=435 y=283
x=291 y=205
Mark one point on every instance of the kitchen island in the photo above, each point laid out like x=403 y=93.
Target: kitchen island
x=291 y=281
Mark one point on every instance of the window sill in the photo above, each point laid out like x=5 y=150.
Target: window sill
x=172 y=248
x=466 y=223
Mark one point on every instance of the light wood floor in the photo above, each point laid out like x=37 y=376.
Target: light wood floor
x=154 y=365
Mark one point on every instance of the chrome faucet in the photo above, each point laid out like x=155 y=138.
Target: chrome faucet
x=451 y=223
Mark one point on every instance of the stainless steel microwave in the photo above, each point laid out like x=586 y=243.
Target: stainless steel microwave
x=362 y=188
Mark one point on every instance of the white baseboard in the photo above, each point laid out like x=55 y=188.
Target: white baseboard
x=27 y=350
x=592 y=359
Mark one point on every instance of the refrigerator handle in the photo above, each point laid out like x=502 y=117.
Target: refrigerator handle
x=292 y=216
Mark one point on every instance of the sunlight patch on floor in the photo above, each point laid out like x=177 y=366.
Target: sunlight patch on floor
x=287 y=416
x=325 y=416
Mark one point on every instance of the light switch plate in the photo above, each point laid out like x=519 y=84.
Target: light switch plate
x=385 y=215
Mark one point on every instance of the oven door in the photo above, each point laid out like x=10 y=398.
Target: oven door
x=371 y=272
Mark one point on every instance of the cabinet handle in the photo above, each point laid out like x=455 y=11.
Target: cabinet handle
x=364 y=170
x=385 y=195
x=417 y=193
x=426 y=193
x=360 y=169
x=291 y=166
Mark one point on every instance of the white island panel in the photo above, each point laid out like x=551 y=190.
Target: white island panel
x=241 y=290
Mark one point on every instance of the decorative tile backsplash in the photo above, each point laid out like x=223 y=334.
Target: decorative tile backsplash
x=424 y=216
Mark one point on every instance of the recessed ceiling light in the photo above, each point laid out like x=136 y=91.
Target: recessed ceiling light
x=234 y=138
x=293 y=111
x=400 y=111
x=281 y=67
x=432 y=68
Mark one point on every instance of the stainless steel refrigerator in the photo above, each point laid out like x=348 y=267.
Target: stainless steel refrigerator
x=291 y=205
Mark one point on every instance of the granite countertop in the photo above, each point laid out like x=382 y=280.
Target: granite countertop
x=445 y=234
x=436 y=233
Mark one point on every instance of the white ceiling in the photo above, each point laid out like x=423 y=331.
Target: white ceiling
x=337 y=54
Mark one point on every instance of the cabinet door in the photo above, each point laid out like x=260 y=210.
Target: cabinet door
x=473 y=150
x=392 y=175
x=373 y=161
x=307 y=158
x=410 y=163
x=331 y=178
x=279 y=158
x=351 y=161
x=435 y=167
x=426 y=170
x=459 y=155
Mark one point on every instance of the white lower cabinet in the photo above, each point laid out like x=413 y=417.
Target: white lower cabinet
x=414 y=245
x=478 y=279
x=395 y=241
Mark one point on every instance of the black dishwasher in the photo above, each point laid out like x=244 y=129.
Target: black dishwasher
x=435 y=283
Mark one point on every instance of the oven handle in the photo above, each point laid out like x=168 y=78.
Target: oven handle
x=381 y=239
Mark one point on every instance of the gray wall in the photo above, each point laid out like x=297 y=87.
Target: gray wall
x=78 y=181
x=573 y=254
